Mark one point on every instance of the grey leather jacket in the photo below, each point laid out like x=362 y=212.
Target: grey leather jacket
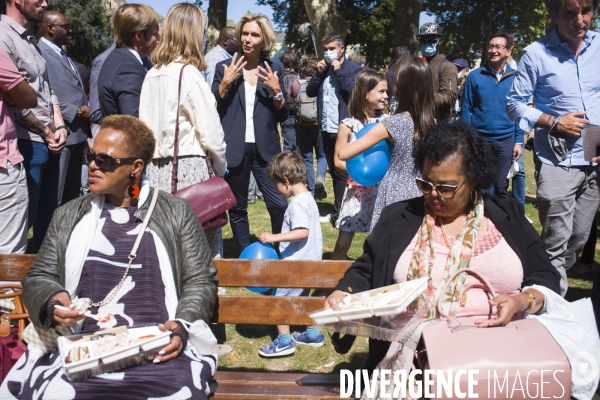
x=173 y=220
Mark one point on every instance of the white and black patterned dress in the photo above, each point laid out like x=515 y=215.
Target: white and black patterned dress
x=359 y=201
x=141 y=300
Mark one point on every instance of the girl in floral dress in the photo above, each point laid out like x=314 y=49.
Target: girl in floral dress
x=366 y=106
x=413 y=89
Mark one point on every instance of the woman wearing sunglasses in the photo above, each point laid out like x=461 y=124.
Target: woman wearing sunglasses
x=121 y=269
x=454 y=226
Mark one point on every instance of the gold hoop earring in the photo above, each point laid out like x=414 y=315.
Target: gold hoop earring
x=474 y=197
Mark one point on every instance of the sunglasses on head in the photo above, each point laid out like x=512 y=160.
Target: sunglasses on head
x=445 y=191
x=106 y=162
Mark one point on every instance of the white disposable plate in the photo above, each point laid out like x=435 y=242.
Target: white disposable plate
x=123 y=353
x=411 y=289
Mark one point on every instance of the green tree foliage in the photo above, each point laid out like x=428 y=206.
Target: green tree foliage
x=92 y=33
x=468 y=24
x=372 y=24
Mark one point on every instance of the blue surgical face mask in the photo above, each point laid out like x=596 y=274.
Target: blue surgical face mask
x=428 y=50
x=330 y=56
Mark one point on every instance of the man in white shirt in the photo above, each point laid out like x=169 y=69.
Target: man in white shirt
x=224 y=50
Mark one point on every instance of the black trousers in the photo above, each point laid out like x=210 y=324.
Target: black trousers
x=238 y=179
x=69 y=184
x=339 y=178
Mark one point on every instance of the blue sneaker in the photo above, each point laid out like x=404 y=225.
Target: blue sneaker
x=305 y=339
x=276 y=349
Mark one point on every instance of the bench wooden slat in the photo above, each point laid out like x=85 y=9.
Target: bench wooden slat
x=229 y=391
x=13 y=267
x=267 y=310
x=281 y=273
x=236 y=385
x=241 y=377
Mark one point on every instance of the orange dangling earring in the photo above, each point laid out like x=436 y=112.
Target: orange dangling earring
x=134 y=189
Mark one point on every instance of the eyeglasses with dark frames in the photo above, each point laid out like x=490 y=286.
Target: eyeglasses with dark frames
x=445 y=191
x=105 y=162
x=496 y=47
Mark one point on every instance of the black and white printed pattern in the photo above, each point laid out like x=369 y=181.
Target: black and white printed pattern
x=141 y=300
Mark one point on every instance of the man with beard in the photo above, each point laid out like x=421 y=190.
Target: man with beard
x=560 y=71
x=40 y=131
x=70 y=89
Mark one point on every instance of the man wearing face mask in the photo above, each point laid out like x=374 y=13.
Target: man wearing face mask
x=332 y=84
x=443 y=73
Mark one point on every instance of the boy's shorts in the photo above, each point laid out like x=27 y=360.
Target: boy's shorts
x=291 y=292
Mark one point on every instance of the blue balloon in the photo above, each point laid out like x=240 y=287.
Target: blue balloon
x=259 y=251
x=369 y=167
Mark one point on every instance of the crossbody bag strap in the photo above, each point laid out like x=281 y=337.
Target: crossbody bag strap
x=211 y=171
x=176 y=142
x=132 y=254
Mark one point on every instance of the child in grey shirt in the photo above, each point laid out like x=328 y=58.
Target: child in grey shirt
x=300 y=239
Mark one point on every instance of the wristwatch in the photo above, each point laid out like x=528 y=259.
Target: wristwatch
x=278 y=96
x=65 y=128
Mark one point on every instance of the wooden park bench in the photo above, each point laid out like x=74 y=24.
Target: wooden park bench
x=255 y=310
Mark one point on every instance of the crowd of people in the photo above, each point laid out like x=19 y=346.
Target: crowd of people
x=85 y=157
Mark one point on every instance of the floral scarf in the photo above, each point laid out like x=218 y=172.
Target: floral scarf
x=459 y=257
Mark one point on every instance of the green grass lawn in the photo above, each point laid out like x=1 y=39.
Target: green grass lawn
x=246 y=339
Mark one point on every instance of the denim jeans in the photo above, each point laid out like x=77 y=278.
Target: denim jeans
x=503 y=149
x=35 y=157
x=518 y=182
x=288 y=131
x=308 y=139
x=253 y=190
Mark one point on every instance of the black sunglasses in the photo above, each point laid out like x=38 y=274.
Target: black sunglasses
x=445 y=191
x=106 y=162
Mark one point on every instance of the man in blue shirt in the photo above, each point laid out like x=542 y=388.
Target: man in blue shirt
x=224 y=50
x=484 y=103
x=332 y=84
x=560 y=71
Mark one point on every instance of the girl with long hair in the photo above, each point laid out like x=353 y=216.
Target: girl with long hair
x=366 y=106
x=414 y=114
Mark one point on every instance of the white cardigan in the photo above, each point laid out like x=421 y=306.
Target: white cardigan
x=200 y=127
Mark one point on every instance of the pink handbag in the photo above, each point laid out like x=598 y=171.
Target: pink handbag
x=514 y=361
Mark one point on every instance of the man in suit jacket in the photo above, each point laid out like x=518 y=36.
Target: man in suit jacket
x=69 y=88
x=122 y=74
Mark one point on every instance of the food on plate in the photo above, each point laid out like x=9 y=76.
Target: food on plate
x=378 y=300
x=78 y=354
x=109 y=343
x=146 y=337
x=104 y=317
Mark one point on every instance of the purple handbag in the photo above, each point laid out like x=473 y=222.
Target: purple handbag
x=210 y=199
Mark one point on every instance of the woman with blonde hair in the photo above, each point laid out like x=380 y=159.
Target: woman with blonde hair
x=251 y=101
x=200 y=132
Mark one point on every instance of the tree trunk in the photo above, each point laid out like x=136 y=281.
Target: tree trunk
x=487 y=32
x=326 y=16
x=408 y=13
x=217 y=20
